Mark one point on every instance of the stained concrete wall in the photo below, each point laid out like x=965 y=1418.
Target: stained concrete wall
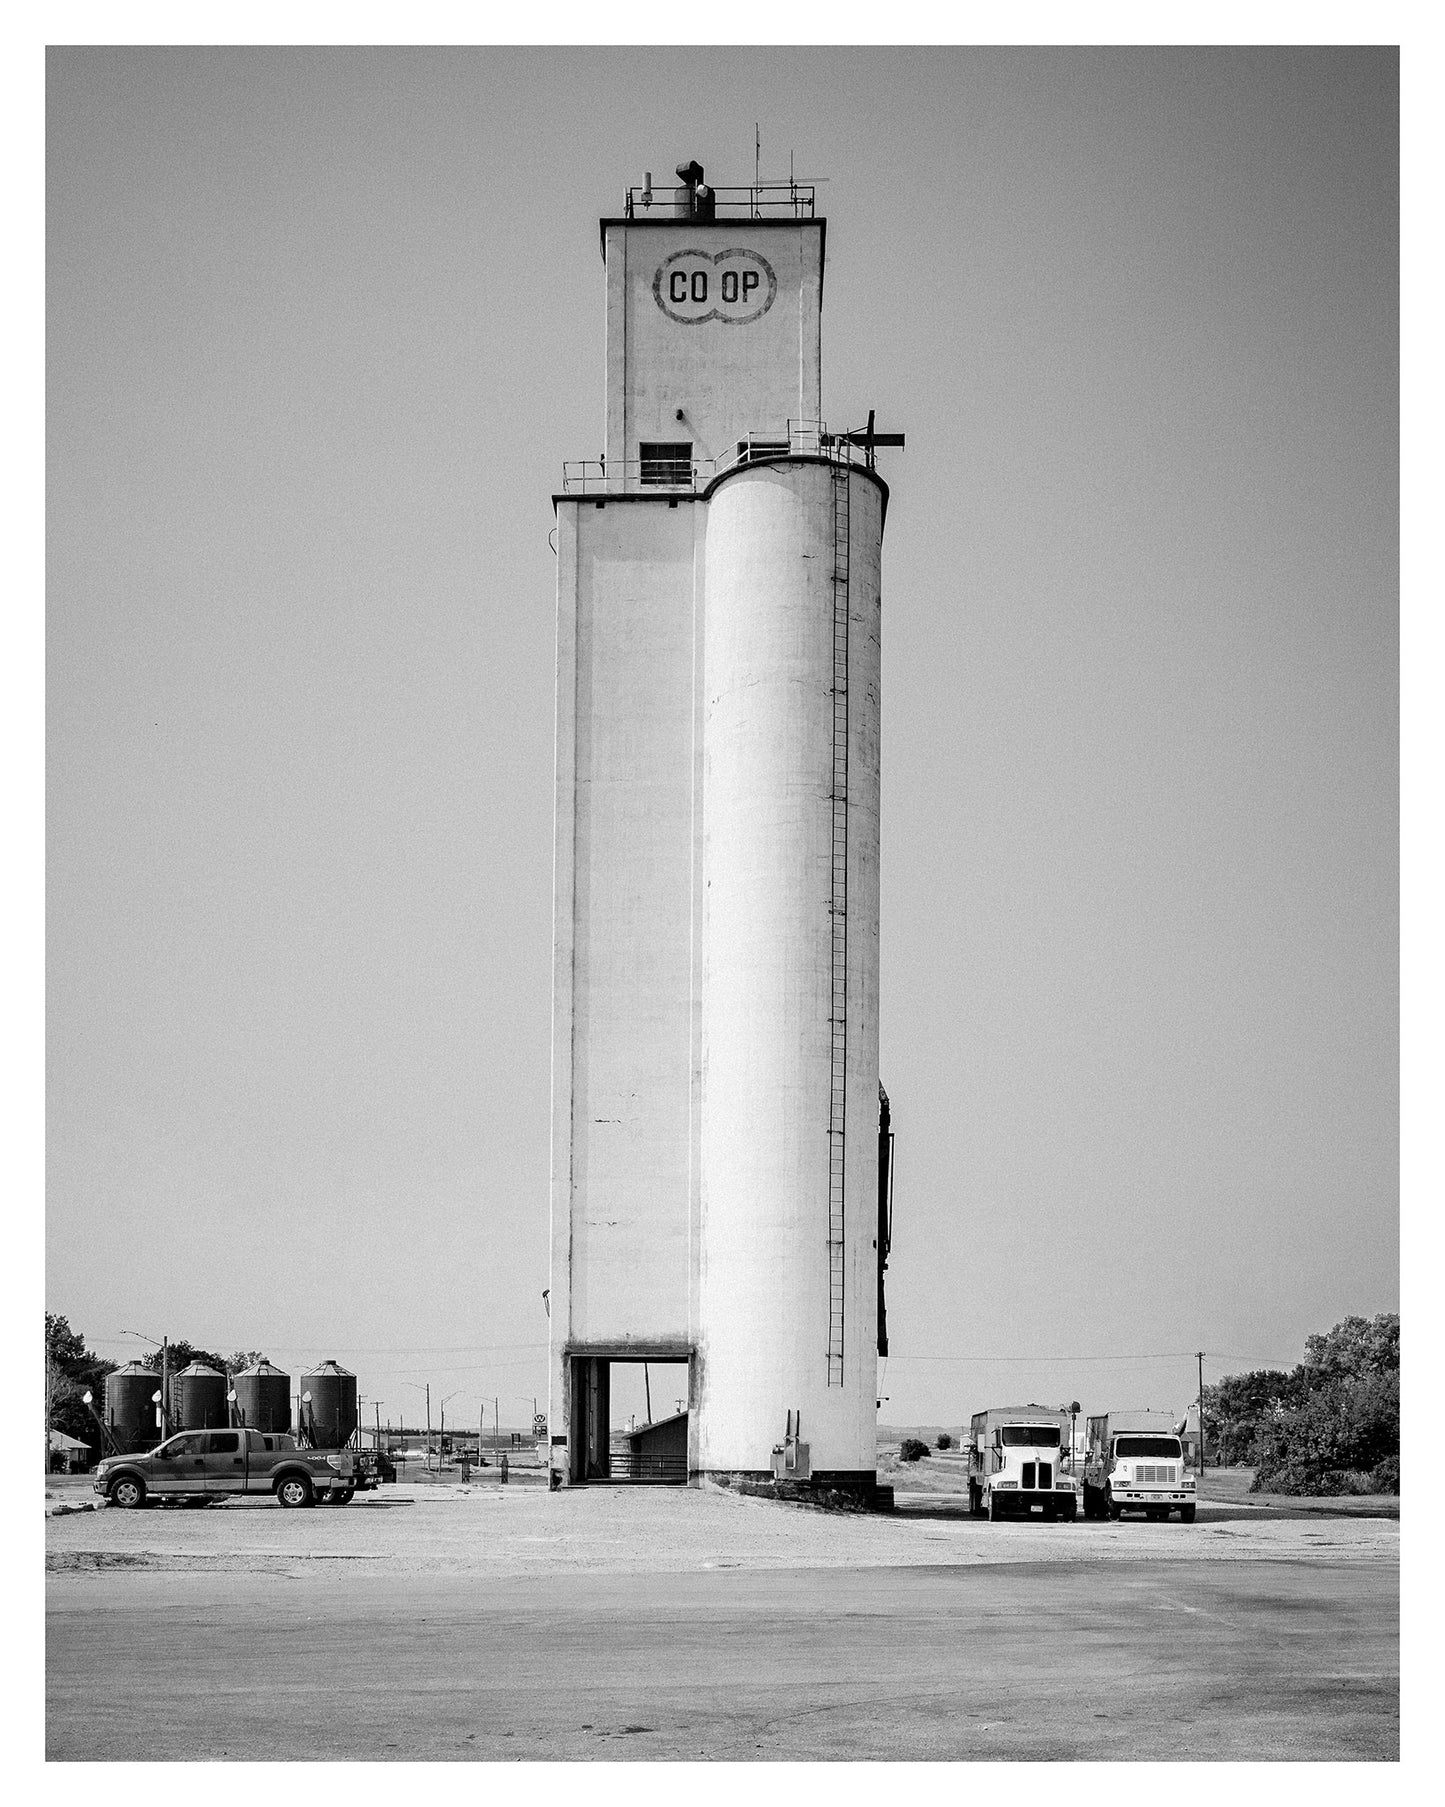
x=622 y=1056
x=763 y=1321
x=731 y=369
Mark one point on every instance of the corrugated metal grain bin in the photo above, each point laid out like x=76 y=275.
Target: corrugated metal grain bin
x=130 y=1411
x=263 y=1397
x=329 y=1416
x=198 y=1399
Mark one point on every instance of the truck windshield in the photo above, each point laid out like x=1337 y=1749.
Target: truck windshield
x=1041 y=1436
x=1147 y=1446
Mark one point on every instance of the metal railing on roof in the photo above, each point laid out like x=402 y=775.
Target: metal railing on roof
x=798 y=439
x=757 y=201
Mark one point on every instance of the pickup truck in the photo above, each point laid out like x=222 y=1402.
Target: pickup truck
x=205 y=1467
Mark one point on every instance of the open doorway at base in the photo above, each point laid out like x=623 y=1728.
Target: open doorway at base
x=629 y=1420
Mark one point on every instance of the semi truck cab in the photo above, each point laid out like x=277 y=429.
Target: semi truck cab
x=1135 y=1463
x=1016 y=1464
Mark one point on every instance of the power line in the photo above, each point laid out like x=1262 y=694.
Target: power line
x=398 y=1349
x=1166 y=1355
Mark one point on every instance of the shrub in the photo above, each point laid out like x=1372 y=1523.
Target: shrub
x=1386 y=1475
x=944 y=1440
x=912 y=1449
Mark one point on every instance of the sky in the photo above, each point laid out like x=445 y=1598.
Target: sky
x=322 y=326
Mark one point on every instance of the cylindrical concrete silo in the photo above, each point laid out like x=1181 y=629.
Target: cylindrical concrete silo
x=130 y=1407
x=787 y=1299
x=263 y=1397
x=329 y=1416
x=198 y=1399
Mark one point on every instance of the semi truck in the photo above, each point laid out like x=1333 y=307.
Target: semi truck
x=1134 y=1462
x=1015 y=1464
x=204 y=1467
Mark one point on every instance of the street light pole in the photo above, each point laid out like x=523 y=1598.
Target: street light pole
x=1201 y=1414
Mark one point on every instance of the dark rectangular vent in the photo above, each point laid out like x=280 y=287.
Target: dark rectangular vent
x=667 y=463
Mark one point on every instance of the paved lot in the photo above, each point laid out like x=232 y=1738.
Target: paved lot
x=665 y=1623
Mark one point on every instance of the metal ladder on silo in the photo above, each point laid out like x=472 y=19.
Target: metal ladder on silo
x=838 y=916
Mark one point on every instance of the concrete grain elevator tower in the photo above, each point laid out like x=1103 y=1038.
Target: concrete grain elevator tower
x=719 y=1170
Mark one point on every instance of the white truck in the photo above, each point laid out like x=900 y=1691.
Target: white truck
x=1015 y=1464
x=1134 y=1462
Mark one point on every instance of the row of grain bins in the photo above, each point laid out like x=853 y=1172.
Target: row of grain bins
x=323 y=1413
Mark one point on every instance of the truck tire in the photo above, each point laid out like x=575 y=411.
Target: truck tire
x=129 y=1493
x=993 y=1510
x=1111 y=1505
x=1070 y=1512
x=295 y=1490
x=1186 y=1515
x=975 y=1503
x=343 y=1497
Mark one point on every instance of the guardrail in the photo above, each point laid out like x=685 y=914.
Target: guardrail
x=808 y=439
x=758 y=201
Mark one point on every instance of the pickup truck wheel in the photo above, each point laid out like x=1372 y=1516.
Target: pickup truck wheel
x=1186 y=1515
x=294 y=1490
x=128 y=1493
x=1111 y=1506
x=343 y=1497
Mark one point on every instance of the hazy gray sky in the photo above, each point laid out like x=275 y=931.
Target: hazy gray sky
x=322 y=327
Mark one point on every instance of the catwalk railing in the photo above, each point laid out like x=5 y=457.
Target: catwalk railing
x=757 y=201
x=673 y=475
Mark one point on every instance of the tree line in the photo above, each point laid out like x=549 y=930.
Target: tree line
x=1329 y=1425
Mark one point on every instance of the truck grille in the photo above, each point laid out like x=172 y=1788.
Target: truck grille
x=1037 y=1474
x=1160 y=1474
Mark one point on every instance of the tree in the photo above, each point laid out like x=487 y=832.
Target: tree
x=1331 y=1425
x=71 y=1370
x=1356 y=1347
x=180 y=1355
x=1240 y=1409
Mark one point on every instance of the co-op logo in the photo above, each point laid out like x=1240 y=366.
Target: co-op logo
x=733 y=286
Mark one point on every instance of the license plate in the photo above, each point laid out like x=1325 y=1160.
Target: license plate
x=1035 y=1508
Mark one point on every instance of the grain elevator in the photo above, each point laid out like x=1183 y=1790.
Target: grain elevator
x=719 y=1175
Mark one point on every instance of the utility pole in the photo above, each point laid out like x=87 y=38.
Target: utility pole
x=497 y=1421
x=1201 y=1414
x=428 y=1427
x=648 y=1385
x=165 y=1388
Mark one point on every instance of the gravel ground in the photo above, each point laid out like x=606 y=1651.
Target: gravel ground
x=522 y=1530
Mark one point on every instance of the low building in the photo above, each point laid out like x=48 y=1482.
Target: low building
x=651 y=1452
x=68 y=1455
